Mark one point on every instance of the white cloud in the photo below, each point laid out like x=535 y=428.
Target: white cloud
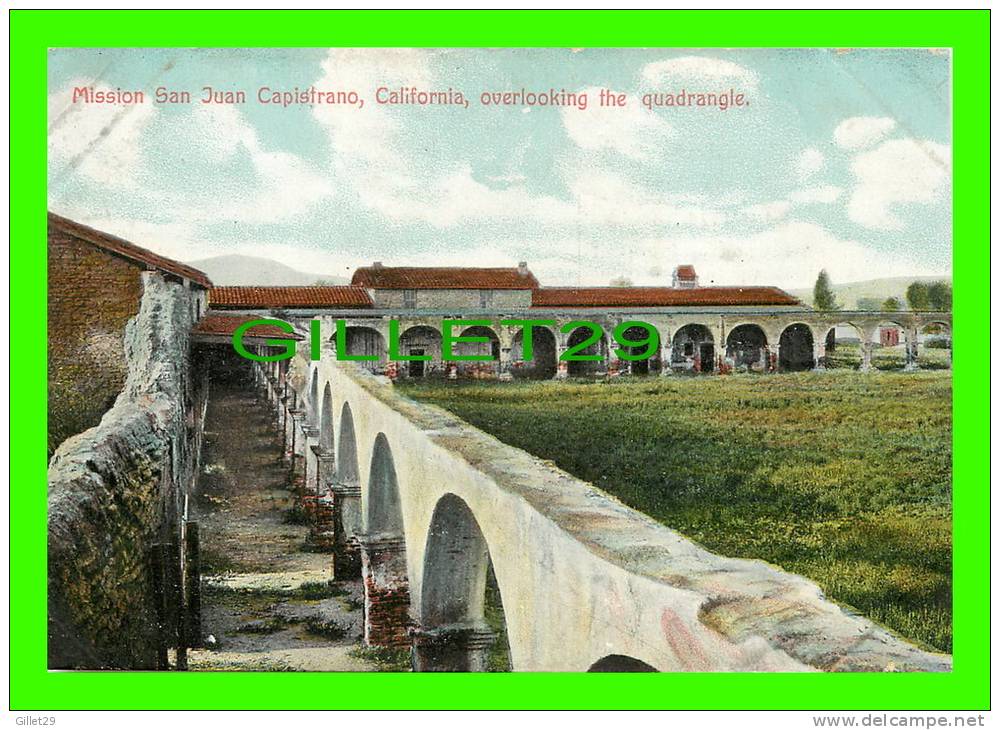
x=817 y=194
x=810 y=162
x=631 y=130
x=788 y=254
x=101 y=141
x=372 y=154
x=603 y=197
x=897 y=172
x=176 y=240
x=283 y=185
x=699 y=70
x=858 y=133
x=771 y=211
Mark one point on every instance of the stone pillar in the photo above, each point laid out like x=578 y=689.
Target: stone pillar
x=774 y=357
x=310 y=442
x=452 y=648
x=320 y=502
x=819 y=356
x=504 y=373
x=666 y=358
x=283 y=421
x=296 y=419
x=326 y=469
x=387 y=590
x=562 y=367
x=912 y=347
x=866 y=357
x=286 y=420
x=345 y=520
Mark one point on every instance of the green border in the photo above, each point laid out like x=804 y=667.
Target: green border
x=967 y=32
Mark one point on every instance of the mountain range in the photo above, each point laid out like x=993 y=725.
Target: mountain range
x=239 y=270
x=849 y=294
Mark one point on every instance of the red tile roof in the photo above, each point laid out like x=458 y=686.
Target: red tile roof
x=128 y=250
x=291 y=297
x=226 y=324
x=416 y=277
x=657 y=296
x=686 y=271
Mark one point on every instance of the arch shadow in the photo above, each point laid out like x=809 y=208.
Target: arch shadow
x=463 y=628
x=620 y=663
x=383 y=554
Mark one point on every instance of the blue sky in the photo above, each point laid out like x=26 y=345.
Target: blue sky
x=840 y=160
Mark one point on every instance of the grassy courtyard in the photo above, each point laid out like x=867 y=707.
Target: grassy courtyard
x=840 y=476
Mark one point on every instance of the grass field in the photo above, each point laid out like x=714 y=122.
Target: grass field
x=848 y=355
x=839 y=476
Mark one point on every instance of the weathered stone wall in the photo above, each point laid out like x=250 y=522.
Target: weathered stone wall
x=91 y=296
x=118 y=488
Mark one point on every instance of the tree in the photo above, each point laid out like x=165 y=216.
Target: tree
x=823 y=297
x=939 y=296
x=917 y=296
x=869 y=304
x=892 y=304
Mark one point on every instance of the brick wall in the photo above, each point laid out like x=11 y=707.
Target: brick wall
x=91 y=296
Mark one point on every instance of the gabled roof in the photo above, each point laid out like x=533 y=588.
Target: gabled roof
x=288 y=297
x=442 y=277
x=661 y=296
x=128 y=250
x=224 y=325
x=686 y=272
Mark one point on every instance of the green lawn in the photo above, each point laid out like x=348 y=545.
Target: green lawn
x=842 y=477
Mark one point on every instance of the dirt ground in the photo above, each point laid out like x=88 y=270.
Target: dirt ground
x=267 y=603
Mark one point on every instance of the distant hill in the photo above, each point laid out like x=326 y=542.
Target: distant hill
x=880 y=289
x=237 y=270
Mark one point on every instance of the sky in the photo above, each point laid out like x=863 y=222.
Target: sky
x=840 y=159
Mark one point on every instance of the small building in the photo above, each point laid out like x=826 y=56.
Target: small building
x=685 y=277
x=447 y=288
x=888 y=336
x=94 y=289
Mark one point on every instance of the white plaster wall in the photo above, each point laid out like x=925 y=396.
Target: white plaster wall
x=581 y=575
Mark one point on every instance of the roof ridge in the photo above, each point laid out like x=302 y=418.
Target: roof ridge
x=117 y=245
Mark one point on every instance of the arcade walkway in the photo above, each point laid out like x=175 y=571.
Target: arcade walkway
x=266 y=602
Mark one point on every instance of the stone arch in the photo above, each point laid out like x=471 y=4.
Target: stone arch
x=583 y=368
x=639 y=367
x=935 y=342
x=890 y=342
x=543 y=360
x=383 y=554
x=454 y=633
x=795 y=348
x=476 y=368
x=346 y=489
x=326 y=430
x=347 y=449
x=362 y=340
x=312 y=406
x=746 y=347
x=694 y=348
x=383 y=508
x=420 y=339
x=620 y=663
x=842 y=345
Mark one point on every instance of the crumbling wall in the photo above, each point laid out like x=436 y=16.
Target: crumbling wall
x=91 y=296
x=118 y=488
